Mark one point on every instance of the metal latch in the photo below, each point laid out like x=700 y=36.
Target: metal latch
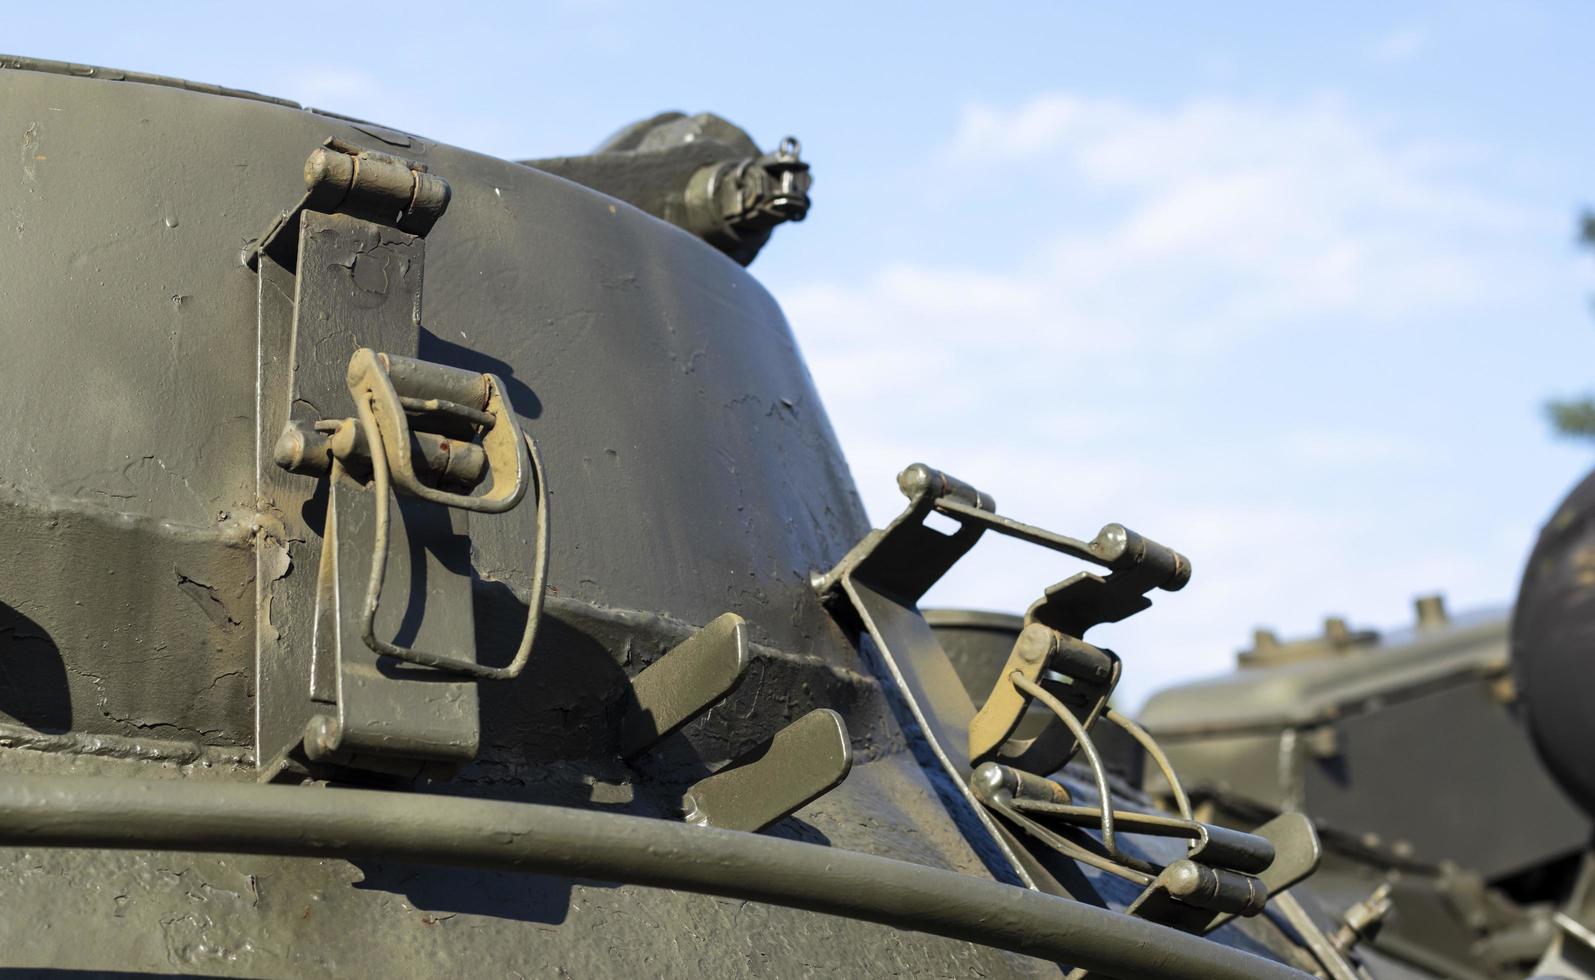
x=882 y=579
x=1228 y=874
x=394 y=397
x=366 y=649
x=1225 y=873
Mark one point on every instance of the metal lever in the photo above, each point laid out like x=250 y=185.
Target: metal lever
x=688 y=679
x=799 y=764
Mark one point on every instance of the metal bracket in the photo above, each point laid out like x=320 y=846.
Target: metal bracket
x=1078 y=674
x=510 y=454
x=460 y=401
x=1221 y=879
x=797 y=765
x=884 y=576
x=1297 y=853
x=1005 y=707
x=1187 y=894
x=1228 y=875
x=1065 y=612
x=340 y=278
x=1026 y=799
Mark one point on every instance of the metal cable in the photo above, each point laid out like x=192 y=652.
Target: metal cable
x=381 y=486
x=1069 y=848
x=1098 y=771
x=1150 y=747
x=170 y=815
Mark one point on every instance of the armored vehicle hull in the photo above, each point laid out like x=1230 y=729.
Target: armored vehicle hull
x=526 y=623
x=657 y=376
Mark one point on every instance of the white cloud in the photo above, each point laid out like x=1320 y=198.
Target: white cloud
x=1231 y=218
x=1214 y=223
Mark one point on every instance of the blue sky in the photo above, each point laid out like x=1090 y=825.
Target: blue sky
x=1282 y=286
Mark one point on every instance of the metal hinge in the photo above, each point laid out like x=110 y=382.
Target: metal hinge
x=341 y=178
x=371 y=461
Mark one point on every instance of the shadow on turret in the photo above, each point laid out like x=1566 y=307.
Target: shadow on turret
x=33 y=682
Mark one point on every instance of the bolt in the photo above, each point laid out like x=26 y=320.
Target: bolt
x=1363 y=920
x=322 y=735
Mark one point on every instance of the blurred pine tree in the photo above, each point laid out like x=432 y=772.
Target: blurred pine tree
x=1575 y=417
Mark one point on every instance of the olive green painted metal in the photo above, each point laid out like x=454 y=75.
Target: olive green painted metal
x=607 y=484
x=1550 y=628
x=977 y=643
x=701 y=173
x=1002 y=711
x=1187 y=894
x=85 y=811
x=1407 y=752
x=55 y=67
x=684 y=683
x=1086 y=676
x=1217 y=880
x=130 y=612
x=884 y=576
x=1350 y=735
x=1268 y=650
x=355 y=284
x=1296 y=855
x=386 y=390
x=1099 y=772
x=1331 y=957
x=799 y=764
x=1039 y=649
x=522 y=450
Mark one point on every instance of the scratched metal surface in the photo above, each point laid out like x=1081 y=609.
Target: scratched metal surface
x=692 y=471
x=653 y=370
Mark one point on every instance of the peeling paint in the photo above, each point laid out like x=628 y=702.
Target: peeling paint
x=30 y=153
x=206 y=597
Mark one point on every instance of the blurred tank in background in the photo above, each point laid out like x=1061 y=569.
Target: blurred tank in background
x=1408 y=751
